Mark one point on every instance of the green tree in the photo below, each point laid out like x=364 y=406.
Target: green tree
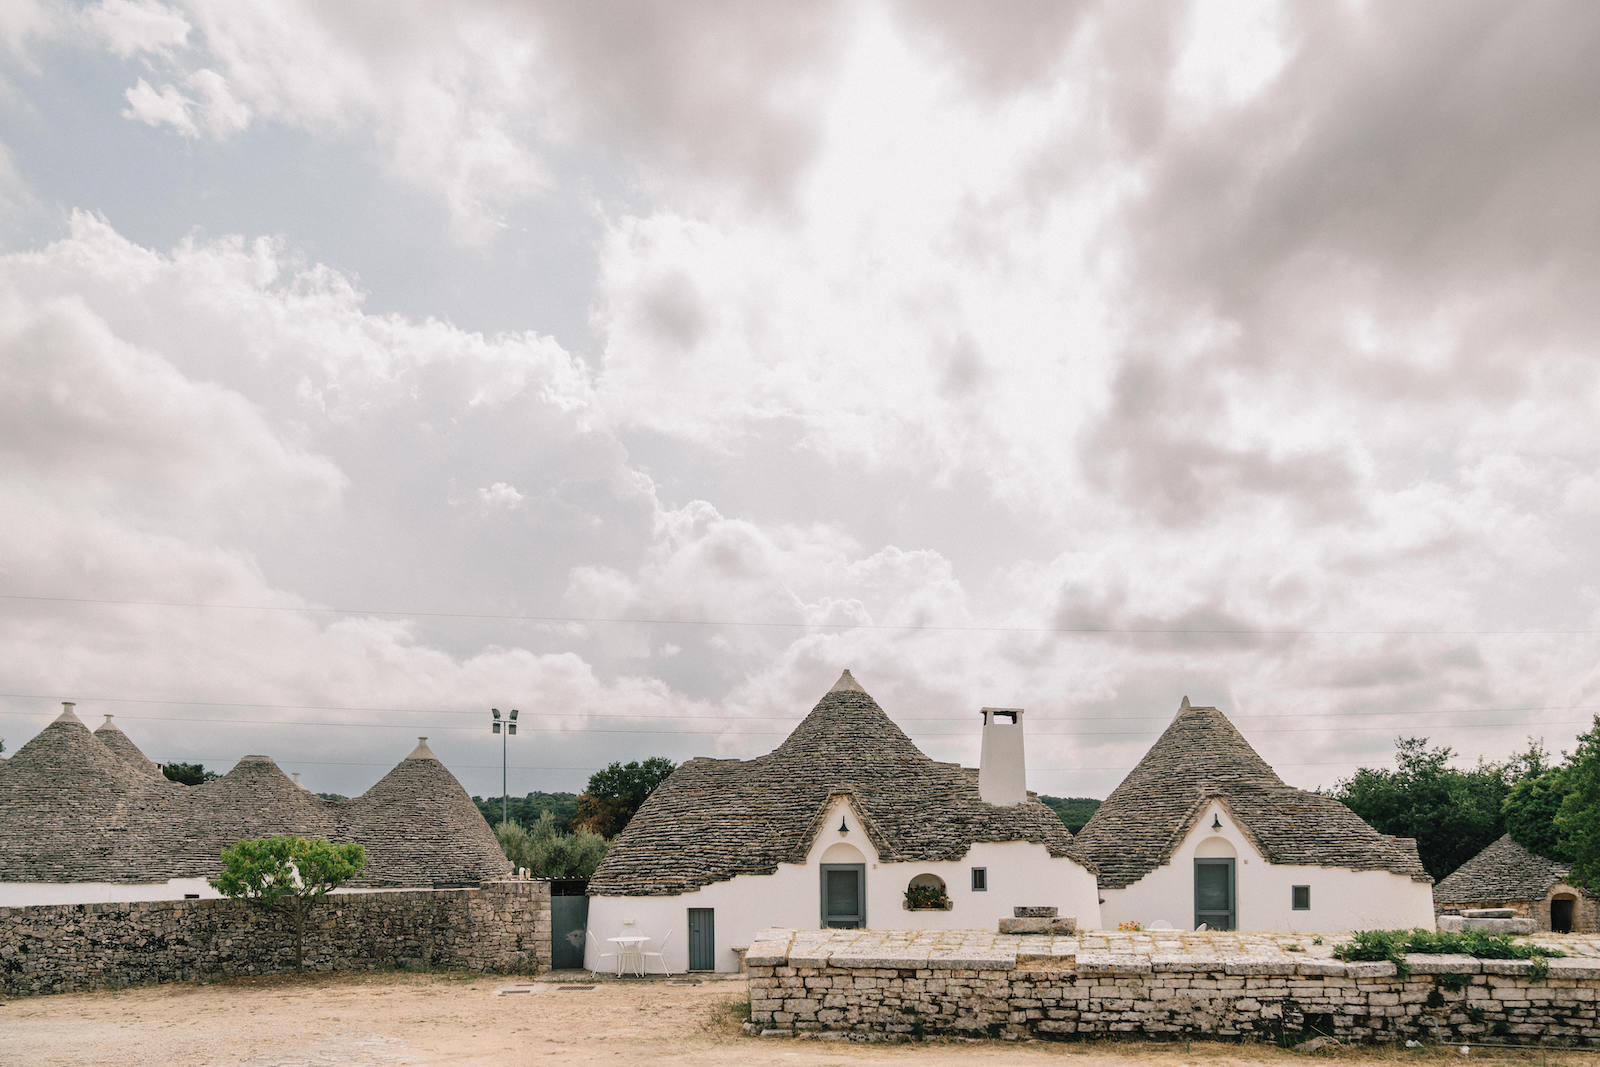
x=1074 y=811
x=614 y=794
x=527 y=809
x=288 y=874
x=188 y=773
x=1452 y=813
x=1578 y=821
x=548 y=852
x=1531 y=810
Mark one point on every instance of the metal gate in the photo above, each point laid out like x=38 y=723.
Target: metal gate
x=569 y=919
x=702 y=939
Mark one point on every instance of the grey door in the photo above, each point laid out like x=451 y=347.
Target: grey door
x=844 y=895
x=1214 y=894
x=569 y=918
x=702 y=939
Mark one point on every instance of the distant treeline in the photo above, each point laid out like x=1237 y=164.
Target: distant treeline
x=1074 y=811
x=563 y=807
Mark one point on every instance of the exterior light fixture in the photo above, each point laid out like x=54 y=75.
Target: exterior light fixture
x=510 y=724
x=1216 y=822
x=844 y=827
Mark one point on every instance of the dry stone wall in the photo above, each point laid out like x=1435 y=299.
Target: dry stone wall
x=502 y=927
x=907 y=986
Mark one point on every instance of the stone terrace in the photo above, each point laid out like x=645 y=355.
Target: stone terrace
x=871 y=983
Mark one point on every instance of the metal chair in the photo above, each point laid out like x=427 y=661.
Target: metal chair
x=598 y=955
x=662 y=956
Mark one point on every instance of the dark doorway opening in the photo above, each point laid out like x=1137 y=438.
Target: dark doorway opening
x=1561 y=915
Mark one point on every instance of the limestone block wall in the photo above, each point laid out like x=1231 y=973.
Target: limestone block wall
x=501 y=927
x=801 y=984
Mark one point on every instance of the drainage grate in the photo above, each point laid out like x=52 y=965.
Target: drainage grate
x=576 y=988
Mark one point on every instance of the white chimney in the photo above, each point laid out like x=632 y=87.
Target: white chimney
x=1002 y=771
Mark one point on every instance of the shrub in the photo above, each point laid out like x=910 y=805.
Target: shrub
x=927 y=898
x=1392 y=945
x=547 y=852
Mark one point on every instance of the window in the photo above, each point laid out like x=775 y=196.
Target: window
x=980 y=879
x=1301 y=898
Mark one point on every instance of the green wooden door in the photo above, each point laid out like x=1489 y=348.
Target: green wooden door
x=1214 y=894
x=702 y=939
x=844 y=895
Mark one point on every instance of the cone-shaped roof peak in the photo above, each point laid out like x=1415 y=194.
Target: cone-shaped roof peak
x=422 y=751
x=68 y=715
x=847 y=684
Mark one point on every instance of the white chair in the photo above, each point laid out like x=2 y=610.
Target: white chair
x=598 y=955
x=1159 y=924
x=662 y=956
x=1200 y=928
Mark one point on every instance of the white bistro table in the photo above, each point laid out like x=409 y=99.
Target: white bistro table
x=630 y=953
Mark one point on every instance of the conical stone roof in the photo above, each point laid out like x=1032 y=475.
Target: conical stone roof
x=1202 y=757
x=68 y=806
x=117 y=741
x=420 y=828
x=714 y=819
x=1502 y=872
x=73 y=809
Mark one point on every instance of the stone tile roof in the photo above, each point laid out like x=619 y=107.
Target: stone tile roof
x=1202 y=757
x=118 y=743
x=717 y=818
x=75 y=809
x=1504 y=871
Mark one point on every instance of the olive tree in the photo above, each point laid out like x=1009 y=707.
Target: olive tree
x=288 y=874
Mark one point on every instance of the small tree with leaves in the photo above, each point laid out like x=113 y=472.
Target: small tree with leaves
x=1578 y=821
x=288 y=874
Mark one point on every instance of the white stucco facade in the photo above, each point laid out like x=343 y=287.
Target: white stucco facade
x=28 y=894
x=1016 y=873
x=1339 y=898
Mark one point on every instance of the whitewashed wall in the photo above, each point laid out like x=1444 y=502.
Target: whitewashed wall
x=1341 y=899
x=1018 y=874
x=27 y=894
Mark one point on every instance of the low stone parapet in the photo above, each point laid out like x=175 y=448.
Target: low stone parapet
x=898 y=984
x=501 y=927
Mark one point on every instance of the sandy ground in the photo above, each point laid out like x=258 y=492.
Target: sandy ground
x=460 y=1019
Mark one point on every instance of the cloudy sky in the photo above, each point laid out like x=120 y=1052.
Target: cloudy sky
x=367 y=365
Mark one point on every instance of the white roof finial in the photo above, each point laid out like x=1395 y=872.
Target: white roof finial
x=847 y=684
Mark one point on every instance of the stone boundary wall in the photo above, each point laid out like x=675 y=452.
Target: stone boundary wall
x=501 y=927
x=808 y=982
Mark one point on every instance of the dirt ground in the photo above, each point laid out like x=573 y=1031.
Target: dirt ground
x=460 y=1019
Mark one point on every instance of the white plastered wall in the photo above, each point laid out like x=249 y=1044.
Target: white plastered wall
x=1018 y=874
x=29 y=894
x=1341 y=899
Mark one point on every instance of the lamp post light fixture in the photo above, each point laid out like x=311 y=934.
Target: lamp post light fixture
x=510 y=724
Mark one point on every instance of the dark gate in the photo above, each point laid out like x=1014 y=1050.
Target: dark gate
x=569 y=919
x=702 y=939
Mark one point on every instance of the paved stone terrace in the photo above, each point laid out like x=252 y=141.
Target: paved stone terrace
x=1090 y=950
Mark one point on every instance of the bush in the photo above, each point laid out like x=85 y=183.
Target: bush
x=547 y=852
x=1392 y=945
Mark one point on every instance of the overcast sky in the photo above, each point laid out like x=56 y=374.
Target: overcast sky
x=642 y=366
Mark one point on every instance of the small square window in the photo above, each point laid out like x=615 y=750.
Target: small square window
x=980 y=879
x=1302 y=898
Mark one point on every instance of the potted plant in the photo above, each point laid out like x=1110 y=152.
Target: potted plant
x=927 y=898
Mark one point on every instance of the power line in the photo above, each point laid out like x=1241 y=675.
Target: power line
x=637 y=731
x=607 y=620
x=789 y=717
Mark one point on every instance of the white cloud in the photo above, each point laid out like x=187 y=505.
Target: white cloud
x=164 y=107
x=130 y=28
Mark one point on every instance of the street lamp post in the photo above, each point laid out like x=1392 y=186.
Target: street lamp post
x=510 y=724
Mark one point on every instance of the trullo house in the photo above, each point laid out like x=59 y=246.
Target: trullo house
x=1506 y=875
x=86 y=817
x=831 y=829
x=1203 y=831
